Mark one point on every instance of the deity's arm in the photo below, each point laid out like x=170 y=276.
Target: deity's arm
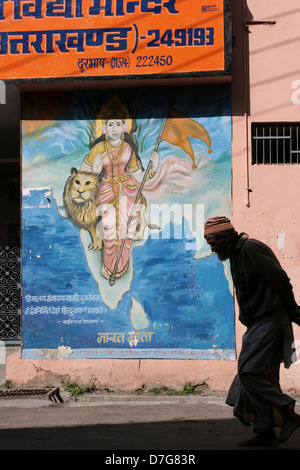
x=86 y=167
x=139 y=172
x=93 y=160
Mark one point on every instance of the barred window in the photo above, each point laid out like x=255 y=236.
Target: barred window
x=275 y=143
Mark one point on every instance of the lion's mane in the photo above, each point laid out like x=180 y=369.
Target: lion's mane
x=82 y=214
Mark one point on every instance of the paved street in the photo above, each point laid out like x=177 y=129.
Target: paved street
x=116 y=422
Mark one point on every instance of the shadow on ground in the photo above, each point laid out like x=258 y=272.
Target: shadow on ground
x=187 y=435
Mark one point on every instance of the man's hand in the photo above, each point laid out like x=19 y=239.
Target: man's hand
x=295 y=316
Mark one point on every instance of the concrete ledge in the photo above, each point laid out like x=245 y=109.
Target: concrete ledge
x=131 y=374
x=121 y=374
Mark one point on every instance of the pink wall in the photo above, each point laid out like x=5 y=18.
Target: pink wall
x=270 y=214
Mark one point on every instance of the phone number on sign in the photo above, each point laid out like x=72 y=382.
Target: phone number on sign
x=142 y=61
x=87 y=64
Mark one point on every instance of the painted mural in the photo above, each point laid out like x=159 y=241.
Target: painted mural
x=116 y=187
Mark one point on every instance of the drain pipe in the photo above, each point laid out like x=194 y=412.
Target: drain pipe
x=246 y=60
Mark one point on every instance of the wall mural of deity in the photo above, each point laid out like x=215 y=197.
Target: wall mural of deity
x=116 y=187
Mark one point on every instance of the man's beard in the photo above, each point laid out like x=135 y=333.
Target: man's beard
x=225 y=250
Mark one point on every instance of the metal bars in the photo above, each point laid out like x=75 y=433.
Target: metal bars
x=275 y=143
x=10 y=294
x=52 y=394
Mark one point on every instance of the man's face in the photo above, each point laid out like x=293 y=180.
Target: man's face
x=220 y=246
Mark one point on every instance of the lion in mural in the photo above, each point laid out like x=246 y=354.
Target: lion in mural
x=79 y=196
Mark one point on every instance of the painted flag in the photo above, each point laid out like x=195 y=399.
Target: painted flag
x=179 y=128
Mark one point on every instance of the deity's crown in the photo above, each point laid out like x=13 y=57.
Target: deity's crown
x=114 y=111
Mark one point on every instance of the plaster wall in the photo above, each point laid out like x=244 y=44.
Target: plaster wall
x=266 y=92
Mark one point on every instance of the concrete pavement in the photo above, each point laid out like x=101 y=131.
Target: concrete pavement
x=125 y=422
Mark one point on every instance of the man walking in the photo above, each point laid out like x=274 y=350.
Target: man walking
x=267 y=308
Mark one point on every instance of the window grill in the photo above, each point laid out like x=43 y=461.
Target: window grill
x=275 y=143
x=10 y=295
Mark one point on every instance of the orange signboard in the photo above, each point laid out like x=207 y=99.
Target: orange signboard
x=54 y=39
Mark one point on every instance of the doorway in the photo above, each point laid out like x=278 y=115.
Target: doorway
x=10 y=243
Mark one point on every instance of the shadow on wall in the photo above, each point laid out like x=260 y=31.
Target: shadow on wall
x=240 y=57
x=10 y=116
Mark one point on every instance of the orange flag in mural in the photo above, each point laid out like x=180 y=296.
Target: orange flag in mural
x=179 y=128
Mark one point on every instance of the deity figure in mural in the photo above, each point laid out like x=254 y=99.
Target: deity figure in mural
x=114 y=157
x=123 y=187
